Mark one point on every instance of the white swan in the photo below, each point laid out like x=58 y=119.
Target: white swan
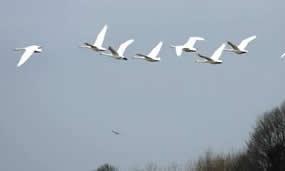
x=153 y=55
x=188 y=46
x=119 y=54
x=215 y=58
x=241 y=48
x=29 y=51
x=97 y=45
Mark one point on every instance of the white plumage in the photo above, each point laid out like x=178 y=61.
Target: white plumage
x=29 y=51
x=188 y=46
x=98 y=43
x=153 y=55
x=215 y=58
x=119 y=54
x=241 y=48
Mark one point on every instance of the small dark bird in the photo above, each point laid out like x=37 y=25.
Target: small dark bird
x=115 y=132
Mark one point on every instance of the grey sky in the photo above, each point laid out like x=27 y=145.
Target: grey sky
x=58 y=110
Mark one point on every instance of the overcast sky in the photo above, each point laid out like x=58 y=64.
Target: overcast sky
x=57 y=110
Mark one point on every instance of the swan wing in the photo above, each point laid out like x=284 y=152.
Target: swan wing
x=246 y=41
x=218 y=53
x=26 y=55
x=191 y=41
x=101 y=36
x=124 y=46
x=155 y=51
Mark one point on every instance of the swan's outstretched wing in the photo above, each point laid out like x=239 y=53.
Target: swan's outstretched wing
x=245 y=42
x=101 y=36
x=124 y=46
x=27 y=54
x=113 y=51
x=218 y=53
x=191 y=41
x=155 y=51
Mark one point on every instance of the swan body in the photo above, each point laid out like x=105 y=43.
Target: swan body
x=215 y=58
x=119 y=54
x=241 y=48
x=188 y=46
x=153 y=55
x=29 y=51
x=97 y=46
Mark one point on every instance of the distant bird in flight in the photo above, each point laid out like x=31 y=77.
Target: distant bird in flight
x=29 y=51
x=188 y=46
x=119 y=54
x=97 y=45
x=241 y=48
x=153 y=55
x=115 y=132
x=215 y=58
x=283 y=56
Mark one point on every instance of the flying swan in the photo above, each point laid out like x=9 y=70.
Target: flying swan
x=188 y=46
x=119 y=54
x=29 y=51
x=153 y=55
x=97 y=45
x=241 y=48
x=215 y=58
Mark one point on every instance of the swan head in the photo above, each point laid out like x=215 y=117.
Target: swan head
x=39 y=50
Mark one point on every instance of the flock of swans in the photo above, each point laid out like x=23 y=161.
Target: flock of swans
x=153 y=55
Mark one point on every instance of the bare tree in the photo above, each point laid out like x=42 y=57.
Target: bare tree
x=106 y=167
x=266 y=147
x=151 y=167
